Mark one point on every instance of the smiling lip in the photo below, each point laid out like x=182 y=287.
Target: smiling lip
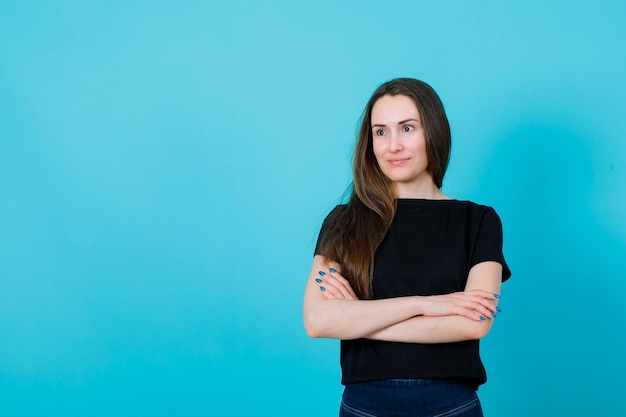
x=399 y=161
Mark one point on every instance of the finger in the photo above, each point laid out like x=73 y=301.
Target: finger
x=326 y=293
x=318 y=281
x=329 y=286
x=325 y=288
x=338 y=288
x=336 y=284
x=476 y=315
x=483 y=301
x=490 y=307
x=341 y=281
x=471 y=306
x=480 y=309
x=334 y=291
x=334 y=266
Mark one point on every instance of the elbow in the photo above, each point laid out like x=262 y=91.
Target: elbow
x=312 y=325
x=479 y=330
x=312 y=331
x=321 y=322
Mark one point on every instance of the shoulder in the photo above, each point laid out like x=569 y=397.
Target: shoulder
x=331 y=218
x=483 y=220
x=478 y=210
x=339 y=208
x=477 y=215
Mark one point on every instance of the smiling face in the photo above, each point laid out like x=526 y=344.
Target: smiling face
x=399 y=144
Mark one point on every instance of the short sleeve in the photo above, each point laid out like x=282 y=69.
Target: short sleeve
x=488 y=243
x=324 y=230
x=319 y=240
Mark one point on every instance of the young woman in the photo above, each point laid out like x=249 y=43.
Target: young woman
x=408 y=278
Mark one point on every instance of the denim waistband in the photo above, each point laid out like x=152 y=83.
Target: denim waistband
x=410 y=398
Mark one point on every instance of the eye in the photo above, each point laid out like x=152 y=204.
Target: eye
x=408 y=128
x=380 y=132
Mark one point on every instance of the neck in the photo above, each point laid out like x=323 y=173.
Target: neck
x=427 y=190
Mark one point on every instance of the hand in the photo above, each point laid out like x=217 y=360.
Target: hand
x=475 y=304
x=333 y=285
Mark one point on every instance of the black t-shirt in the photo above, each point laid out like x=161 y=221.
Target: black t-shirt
x=428 y=250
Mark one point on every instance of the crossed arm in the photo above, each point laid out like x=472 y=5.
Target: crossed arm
x=337 y=313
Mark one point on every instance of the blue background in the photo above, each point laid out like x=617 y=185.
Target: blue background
x=165 y=168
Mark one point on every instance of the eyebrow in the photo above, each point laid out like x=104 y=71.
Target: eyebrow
x=400 y=123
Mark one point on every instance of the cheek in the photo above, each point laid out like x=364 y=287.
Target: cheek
x=419 y=145
x=378 y=148
x=378 y=152
x=422 y=147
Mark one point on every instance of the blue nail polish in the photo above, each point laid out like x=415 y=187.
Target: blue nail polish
x=482 y=318
x=322 y=288
x=319 y=281
x=498 y=310
x=493 y=315
x=497 y=295
x=333 y=270
x=322 y=273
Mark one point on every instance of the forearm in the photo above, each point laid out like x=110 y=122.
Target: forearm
x=451 y=327
x=331 y=310
x=348 y=319
x=423 y=329
x=418 y=319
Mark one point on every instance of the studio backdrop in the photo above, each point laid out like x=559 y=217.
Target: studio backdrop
x=165 y=168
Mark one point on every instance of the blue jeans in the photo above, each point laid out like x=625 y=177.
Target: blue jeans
x=410 y=398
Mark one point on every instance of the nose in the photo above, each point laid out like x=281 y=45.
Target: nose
x=395 y=144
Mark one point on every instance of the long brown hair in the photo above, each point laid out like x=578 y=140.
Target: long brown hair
x=352 y=233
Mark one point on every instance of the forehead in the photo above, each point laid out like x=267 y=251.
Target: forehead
x=389 y=109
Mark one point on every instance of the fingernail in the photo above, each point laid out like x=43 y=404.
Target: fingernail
x=322 y=273
x=482 y=318
x=497 y=295
x=322 y=288
x=319 y=281
x=498 y=309
x=333 y=270
x=493 y=315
